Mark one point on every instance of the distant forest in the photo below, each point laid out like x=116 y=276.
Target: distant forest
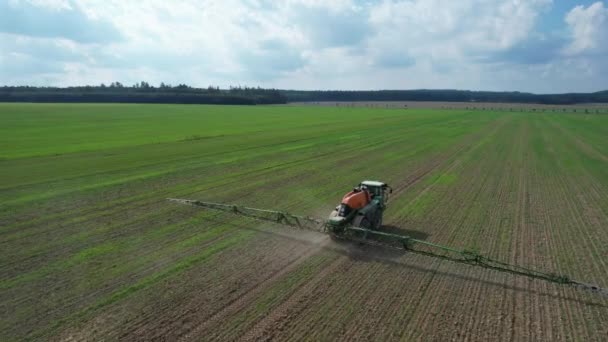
x=146 y=93
x=446 y=96
x=143 y=93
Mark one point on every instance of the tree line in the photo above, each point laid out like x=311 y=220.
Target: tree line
x=446 y=96
x=143 y=92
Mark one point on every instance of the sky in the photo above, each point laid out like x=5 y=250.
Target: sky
x=539 y=46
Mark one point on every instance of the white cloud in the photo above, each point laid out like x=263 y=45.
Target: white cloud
x=474 y=23
x=51 y=4
x=449 y=35
x=589 y=27
x=309 y=44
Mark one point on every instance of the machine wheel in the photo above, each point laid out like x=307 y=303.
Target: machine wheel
x=378 y=222
x=357 y=220
x=365 y=223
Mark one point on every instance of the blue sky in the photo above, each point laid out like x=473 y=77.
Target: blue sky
x=540 y=46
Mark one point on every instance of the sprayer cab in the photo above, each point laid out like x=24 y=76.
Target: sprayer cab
x=362 y=207
x=378 y=190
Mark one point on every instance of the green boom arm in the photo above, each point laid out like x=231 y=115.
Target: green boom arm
x=394 y=241
x=303 y=222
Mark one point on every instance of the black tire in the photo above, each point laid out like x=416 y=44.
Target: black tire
x=378 y=223
x=365 y=223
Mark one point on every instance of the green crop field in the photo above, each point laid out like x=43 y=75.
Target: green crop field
x=91 y=250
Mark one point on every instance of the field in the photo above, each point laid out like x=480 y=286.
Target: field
x=585 y=108
x=91 y=250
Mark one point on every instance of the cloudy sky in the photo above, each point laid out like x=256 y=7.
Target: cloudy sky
x=540 y=46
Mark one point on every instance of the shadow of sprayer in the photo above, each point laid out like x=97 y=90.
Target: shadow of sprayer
x=364 y=253
x=393 y=238
x=416 y=234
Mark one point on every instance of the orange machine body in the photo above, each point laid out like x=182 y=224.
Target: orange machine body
x=356 y=199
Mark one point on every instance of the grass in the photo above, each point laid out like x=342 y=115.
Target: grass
x=85 y=229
